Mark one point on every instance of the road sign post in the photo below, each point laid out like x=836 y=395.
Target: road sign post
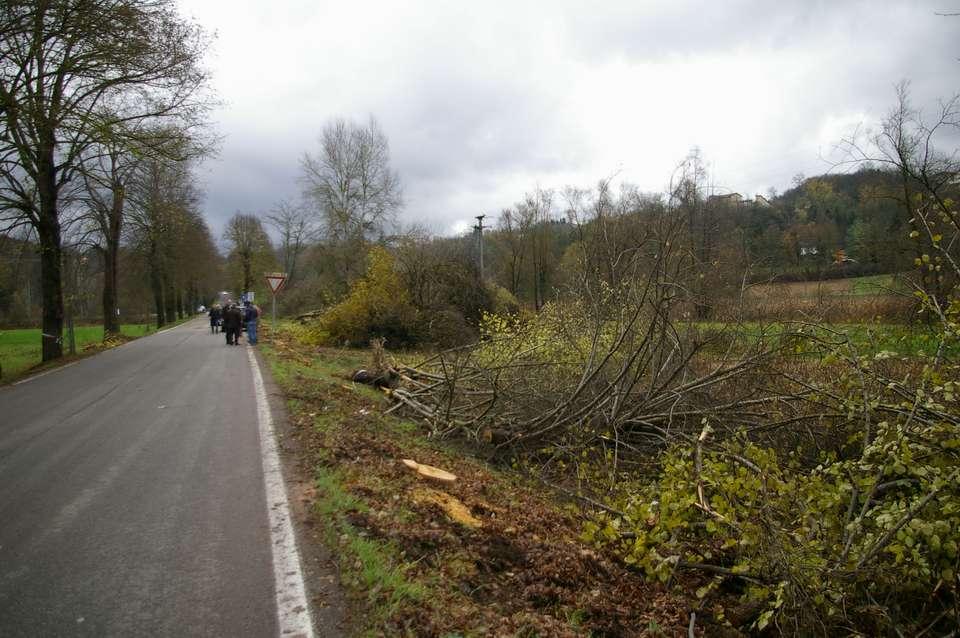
x=275 y=281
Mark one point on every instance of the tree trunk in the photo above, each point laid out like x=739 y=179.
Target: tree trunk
x=156 y=284
x=535 y=278
x=170 y=297
x=158 y=305
x=51 y=284
x=111 y=322
x=247 y=272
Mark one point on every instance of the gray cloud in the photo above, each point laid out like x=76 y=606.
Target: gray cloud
x=484 y=101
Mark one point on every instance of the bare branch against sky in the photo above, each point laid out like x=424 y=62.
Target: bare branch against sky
x=482 y=102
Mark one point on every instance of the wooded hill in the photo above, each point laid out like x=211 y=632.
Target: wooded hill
x=825 y=227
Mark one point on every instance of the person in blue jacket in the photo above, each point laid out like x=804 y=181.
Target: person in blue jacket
x=251 y=316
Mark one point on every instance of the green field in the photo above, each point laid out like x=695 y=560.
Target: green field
x=878 y=285
x=20 y=349
x=872 y=285
x=868 y=338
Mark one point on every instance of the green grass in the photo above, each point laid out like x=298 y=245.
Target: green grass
x=369 y=565
x=20 y=348
x=876 y=285
x=863 y=338
x=918 y=340
x=869 y=286
x=332 y=499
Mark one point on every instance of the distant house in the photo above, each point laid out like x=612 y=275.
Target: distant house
x=840 y=257
x=728 y=198
x=736 y=199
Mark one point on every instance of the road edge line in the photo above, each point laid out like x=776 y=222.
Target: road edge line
x=293 y=609
x=46 y=372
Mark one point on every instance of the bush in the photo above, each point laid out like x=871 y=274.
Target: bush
x=378 y=306
x=303 y=296
x=501 y=301
x=807 y=553
x=447 y=328
x=862 y=536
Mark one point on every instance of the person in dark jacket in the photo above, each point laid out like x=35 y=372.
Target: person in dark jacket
x=238 y=322
x=232 y=320
x=215 y=316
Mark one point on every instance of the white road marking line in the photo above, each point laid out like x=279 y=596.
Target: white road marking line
x=43 y=374
x=293 y=610
x=160 y=332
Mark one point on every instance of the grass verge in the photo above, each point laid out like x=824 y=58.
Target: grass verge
x=20 y=350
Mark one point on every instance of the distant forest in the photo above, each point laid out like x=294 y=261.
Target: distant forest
x=825 y=227
x=837 y=225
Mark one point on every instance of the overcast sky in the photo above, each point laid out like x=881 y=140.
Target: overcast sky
x=485 y=101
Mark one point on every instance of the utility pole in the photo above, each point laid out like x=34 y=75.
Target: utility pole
x=479 y=229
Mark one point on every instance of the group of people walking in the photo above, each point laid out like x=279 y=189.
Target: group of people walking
x=232 y=319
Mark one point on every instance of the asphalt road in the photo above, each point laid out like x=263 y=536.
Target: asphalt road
x=132 y=495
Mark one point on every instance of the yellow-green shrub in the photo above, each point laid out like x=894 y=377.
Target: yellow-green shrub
x=378 y=306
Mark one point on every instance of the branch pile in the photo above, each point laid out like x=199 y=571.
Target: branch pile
x=574 y=378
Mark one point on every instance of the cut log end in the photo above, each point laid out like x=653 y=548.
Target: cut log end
x=430 y=472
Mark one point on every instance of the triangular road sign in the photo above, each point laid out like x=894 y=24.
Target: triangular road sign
x=275 y=280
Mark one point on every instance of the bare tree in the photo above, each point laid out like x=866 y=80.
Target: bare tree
x=163 y=203
x=352 y=186
x=420 y=260
x=536 y=211
x=909 y=144
x=608 y=226
x=106 y=169
x=688 y=197
x=509 y=234
x=297 y=228
x=249 y=246
x=592 y=213
x=70 y=69
x=198 y=259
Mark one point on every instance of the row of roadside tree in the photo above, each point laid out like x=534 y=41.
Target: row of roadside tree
x=103 y=115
